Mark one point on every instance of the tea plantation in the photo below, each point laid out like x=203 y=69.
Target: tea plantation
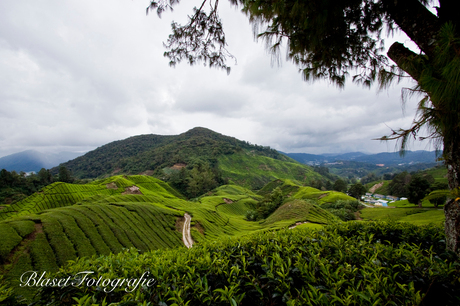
x=344 y=264
x=126 y=226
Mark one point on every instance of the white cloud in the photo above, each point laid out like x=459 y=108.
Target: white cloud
x=78 y=74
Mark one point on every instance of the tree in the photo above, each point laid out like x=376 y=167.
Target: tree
x=339 y=39
x=340 y=185
x=201 y=180
x=64 y=175
x=417 y=190
x=370 y=177
x=398 y=185
x=269 y=204
x=442 y=199
x=357 y=190
x=45 y=176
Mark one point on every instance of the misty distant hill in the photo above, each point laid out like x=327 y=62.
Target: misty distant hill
x=32 y=160
x=357 y=164
x=387 y=159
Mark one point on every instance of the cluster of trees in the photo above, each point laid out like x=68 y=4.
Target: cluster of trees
x=415 y=187
x=196 y=179
x=356 y=190
x=16 y=186
x=267 y=206
x=321 y=184
x=345 y=210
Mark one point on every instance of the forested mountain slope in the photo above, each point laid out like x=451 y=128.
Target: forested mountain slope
x=227 y=157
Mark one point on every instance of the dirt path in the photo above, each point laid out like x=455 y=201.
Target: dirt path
x=186 y=237
x=375 y=187
x=298 y=223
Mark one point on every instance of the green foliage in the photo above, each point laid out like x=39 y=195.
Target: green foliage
x=436 y=201
x=17 y=186
x=22 y=227
x=333 y=196
x=10 y=239
x=105 y=221
x=66 y=233
x=251 y=215
x=201 y=179
x=42 y=254
x=357 y=190
x=417 y=189
x=252 y=171
x=351 y=263
x=415 y=216
x=398 y=186
x=155 y=153
x=340 y=185
x=267 y=206
x=295 y=211
x=64 y=175
x=343 y=209
x=383 y=189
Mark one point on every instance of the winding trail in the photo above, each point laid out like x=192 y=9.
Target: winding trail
x=186 y=237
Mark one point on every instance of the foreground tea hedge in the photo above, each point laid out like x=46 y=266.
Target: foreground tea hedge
x=344 y=264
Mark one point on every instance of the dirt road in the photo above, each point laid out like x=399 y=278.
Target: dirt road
x=186 y=237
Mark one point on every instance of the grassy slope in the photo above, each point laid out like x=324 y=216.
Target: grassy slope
x=415 y=216
x=439 y=174
x=254 y=171
x=295 y=211
x=106 y=221
x=321 y=196
x=293 y=190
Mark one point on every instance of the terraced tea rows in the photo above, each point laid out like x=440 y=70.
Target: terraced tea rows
x=344 y=264
x=53 y=196
x=45 y=241
x=296 y=211
x=64 y=221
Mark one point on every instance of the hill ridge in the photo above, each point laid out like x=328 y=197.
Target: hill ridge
x=210 y=152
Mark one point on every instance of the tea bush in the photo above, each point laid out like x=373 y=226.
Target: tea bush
x=343 y=264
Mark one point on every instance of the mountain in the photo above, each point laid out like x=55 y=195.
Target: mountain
x=248 y=165
x=387 y=159
x=32 y=160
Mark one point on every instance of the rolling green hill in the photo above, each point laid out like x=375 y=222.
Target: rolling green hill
x=66 y=221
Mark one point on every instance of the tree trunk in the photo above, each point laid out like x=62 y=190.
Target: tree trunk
x=452 y=208
x=414 y=19
x=423 y=27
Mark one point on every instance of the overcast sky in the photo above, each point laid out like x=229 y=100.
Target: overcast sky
x=77 y=74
